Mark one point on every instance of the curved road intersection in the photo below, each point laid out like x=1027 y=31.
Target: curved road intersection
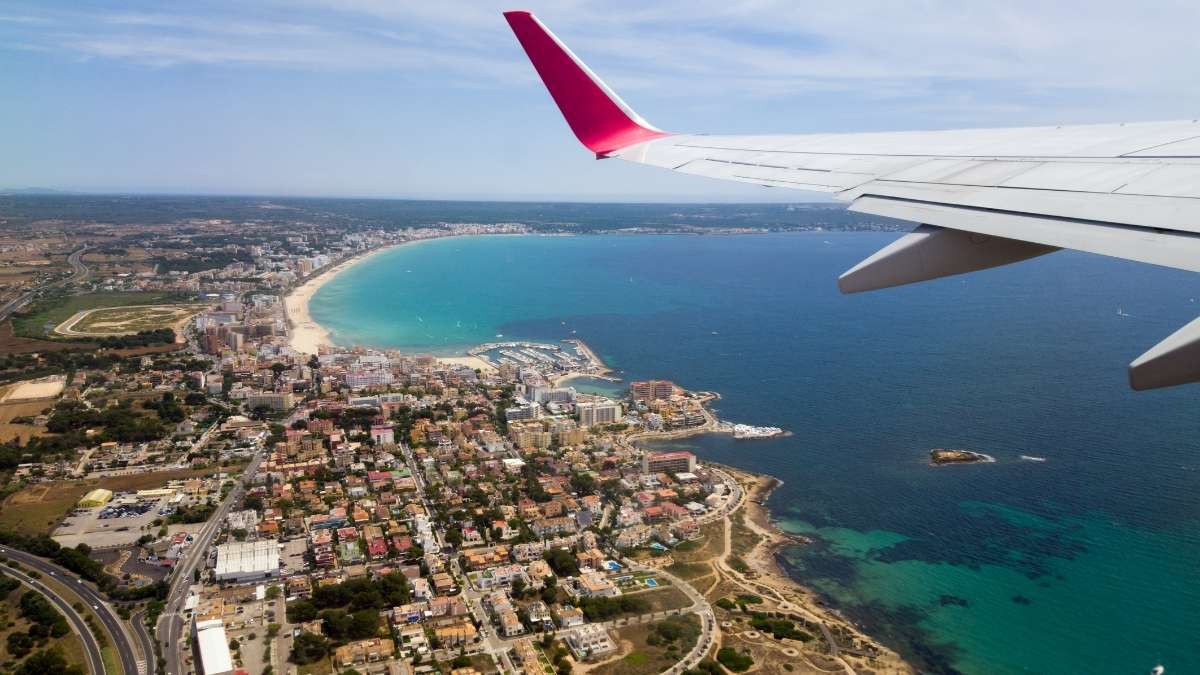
x=90 y=596
x=91 y=649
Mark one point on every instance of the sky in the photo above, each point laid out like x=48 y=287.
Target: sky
x=435 y=99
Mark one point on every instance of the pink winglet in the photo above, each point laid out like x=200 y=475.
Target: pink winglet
x=599 y=118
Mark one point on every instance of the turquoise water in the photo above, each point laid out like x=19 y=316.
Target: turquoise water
x=1084 y=563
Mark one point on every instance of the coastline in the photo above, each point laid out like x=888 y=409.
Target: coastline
x=305 y=335
x=766 y=575
x=761 y=574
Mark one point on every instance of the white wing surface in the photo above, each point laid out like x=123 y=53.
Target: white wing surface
x=981 y=197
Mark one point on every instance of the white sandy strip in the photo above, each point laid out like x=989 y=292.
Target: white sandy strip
x=35 y=389
x=473 y=362
x=308 y=336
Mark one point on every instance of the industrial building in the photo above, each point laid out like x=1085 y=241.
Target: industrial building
x=212 y=649
x=97 y=497
x=247 y=561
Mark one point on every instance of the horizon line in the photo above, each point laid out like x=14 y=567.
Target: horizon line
x=52 y=192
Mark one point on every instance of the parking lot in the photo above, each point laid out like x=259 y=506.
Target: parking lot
x=119 y=523
x=292 y=556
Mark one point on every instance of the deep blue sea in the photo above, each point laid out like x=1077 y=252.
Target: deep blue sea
x=1088 y=562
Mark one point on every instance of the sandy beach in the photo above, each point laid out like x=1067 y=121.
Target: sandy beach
x=308 y=336
x=473 y=362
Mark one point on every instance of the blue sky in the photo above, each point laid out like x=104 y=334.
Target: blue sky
x=436 y=100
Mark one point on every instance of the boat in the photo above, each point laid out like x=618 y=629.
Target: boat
x=748 y=431
x=1030 y=458
x=1158 y=670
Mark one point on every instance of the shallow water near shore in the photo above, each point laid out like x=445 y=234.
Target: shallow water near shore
x=1085 y=562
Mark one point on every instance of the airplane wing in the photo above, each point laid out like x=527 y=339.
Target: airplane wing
x=982 y=197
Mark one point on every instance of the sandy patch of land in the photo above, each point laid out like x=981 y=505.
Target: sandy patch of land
x=473 y=362
x=45 y=388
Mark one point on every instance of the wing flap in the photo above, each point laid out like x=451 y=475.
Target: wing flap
x=1180 y=250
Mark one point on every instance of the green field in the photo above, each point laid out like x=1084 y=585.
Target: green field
x=45 y=314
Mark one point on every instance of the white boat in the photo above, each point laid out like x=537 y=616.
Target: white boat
x=1158 y=670
x=1030 y=458
x=750 y=431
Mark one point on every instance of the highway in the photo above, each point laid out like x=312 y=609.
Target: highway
x=79 y=273
x=138 y=621
x=91 y=649
x=91 y=597
x=171 y=624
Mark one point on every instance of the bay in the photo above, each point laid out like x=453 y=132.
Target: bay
x=1083 y=563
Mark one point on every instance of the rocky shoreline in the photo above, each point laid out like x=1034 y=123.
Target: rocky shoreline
x=943 y=456
x=854 y=648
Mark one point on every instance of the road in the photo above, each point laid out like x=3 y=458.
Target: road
x=138 y=621
x=171 y=624
x=90 y=596
x=79 y=273
x=91 y=649
x=709 y=633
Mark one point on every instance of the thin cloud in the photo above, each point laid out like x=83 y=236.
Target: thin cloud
x=757 y=49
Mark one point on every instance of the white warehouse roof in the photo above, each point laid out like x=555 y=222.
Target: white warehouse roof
x=213 y=647
x=247 y=558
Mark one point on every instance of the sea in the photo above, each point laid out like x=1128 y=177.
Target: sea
x=1076 y=551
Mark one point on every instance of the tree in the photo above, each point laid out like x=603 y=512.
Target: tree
x=301 y=611
x=562 y=562
x=364 y=624
x=337 y=623
x=48 y=661
x=706 y=667
x=395 y=589
x=583 y=483
x=308 y=648
x=19 y=644
x=734 y=660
